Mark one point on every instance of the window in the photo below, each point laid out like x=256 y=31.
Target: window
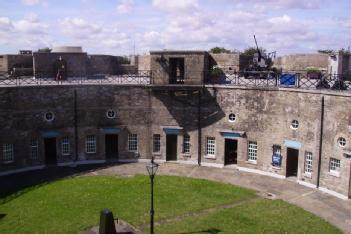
x=232 y=117
x=7 y=153
x=186 y=144
x=294 y=124
x=157 y=143
x=49 y=116
x=133 y=142
x=342 y=142
x=252 y=151
x=334 y=166
x=111 y=114
x=90 y=144
x=308 y=162
x=34 y=149
x=65 y=146
x=211 y=146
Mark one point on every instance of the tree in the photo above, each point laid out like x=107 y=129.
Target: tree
x=247 y=56
x=326 y=51
x=218 y=50
x=45 y=50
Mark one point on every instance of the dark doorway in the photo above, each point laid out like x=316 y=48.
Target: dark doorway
x=292 y=159
x=111 y=146
x=50 y=150
x=176 y=75
x=230 y=151
x=171 y=147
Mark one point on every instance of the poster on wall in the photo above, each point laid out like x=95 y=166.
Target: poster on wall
x=276 y=160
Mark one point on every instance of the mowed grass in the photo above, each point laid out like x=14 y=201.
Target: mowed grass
x=259 y=216
x=71 y=205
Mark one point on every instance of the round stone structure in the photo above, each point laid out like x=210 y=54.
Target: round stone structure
x=67 y=49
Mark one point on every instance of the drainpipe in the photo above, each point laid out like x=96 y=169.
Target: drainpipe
x=75 y=126
x=320 y=142
x=199 y=127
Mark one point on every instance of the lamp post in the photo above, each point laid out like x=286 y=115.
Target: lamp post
x=151 y=169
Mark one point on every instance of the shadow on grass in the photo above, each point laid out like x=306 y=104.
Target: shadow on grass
x=209 y=231
x=13 y=186
x=2 y=216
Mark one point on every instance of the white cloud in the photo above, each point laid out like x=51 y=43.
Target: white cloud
x=5 y=24
x=176 y=5
x=79 y=28
x=346 y=23
x=286 y=4
x=34 y=2
x=125 y=7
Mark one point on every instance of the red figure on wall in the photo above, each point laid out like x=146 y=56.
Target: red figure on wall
x=60 y=69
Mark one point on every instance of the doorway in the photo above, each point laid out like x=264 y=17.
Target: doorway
x=176 y=75
x=230 y=151
x=292 y=159
x=50 y=150
x=111 y=146
x=171 y=147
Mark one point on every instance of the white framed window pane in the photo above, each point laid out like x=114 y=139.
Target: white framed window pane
x=7 y=153
x=308 y=162
x=211 y=146
x=90 y=144
x=133 y=142
x=157 y=143
x=34 y=148
x=334 y=165
x=65 y=146
x=252 y=151
x=186 y=144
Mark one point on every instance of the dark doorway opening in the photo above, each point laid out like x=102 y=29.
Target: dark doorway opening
x=171 y=147
x=292 y=159
x=230 y=151
x=111 y=146
x=176 y=75
x=50 y=150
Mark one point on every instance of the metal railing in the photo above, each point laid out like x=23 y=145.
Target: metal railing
x=285 y=79
x=135 y=78
x=227 y=78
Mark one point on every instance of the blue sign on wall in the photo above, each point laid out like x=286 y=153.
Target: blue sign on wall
x=276 y=160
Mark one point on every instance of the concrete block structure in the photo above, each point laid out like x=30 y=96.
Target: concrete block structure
x=299 y=62
x=282 y=132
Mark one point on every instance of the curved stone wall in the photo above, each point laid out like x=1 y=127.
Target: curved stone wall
x=263 y=117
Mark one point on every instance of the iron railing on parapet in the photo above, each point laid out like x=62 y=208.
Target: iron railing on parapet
x=135 y=78
x=285 y=79
x=226 y=78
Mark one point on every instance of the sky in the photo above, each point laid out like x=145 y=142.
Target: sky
x=126 y=27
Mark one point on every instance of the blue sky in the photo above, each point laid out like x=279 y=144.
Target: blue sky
x=123 y=27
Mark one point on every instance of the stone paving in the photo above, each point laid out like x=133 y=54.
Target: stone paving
x=332 y=209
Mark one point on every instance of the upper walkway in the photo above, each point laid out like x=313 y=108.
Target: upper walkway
x=230 y=78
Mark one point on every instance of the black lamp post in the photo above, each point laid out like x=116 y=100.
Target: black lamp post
x=151 y=169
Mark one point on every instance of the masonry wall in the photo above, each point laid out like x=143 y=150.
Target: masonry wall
x=299 y=62
x=8 y=62
x=195 y=65
x=44 y=64
x=227 y=61
x=102 y=64
x=263 y=116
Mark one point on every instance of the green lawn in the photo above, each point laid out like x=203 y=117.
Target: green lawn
x=70 y=205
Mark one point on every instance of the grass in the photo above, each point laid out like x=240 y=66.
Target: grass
x=70 y=205
x=260 y=216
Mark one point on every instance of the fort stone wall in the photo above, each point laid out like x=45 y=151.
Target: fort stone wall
x=299 y=62
x=262 y=116
x=44 y=64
